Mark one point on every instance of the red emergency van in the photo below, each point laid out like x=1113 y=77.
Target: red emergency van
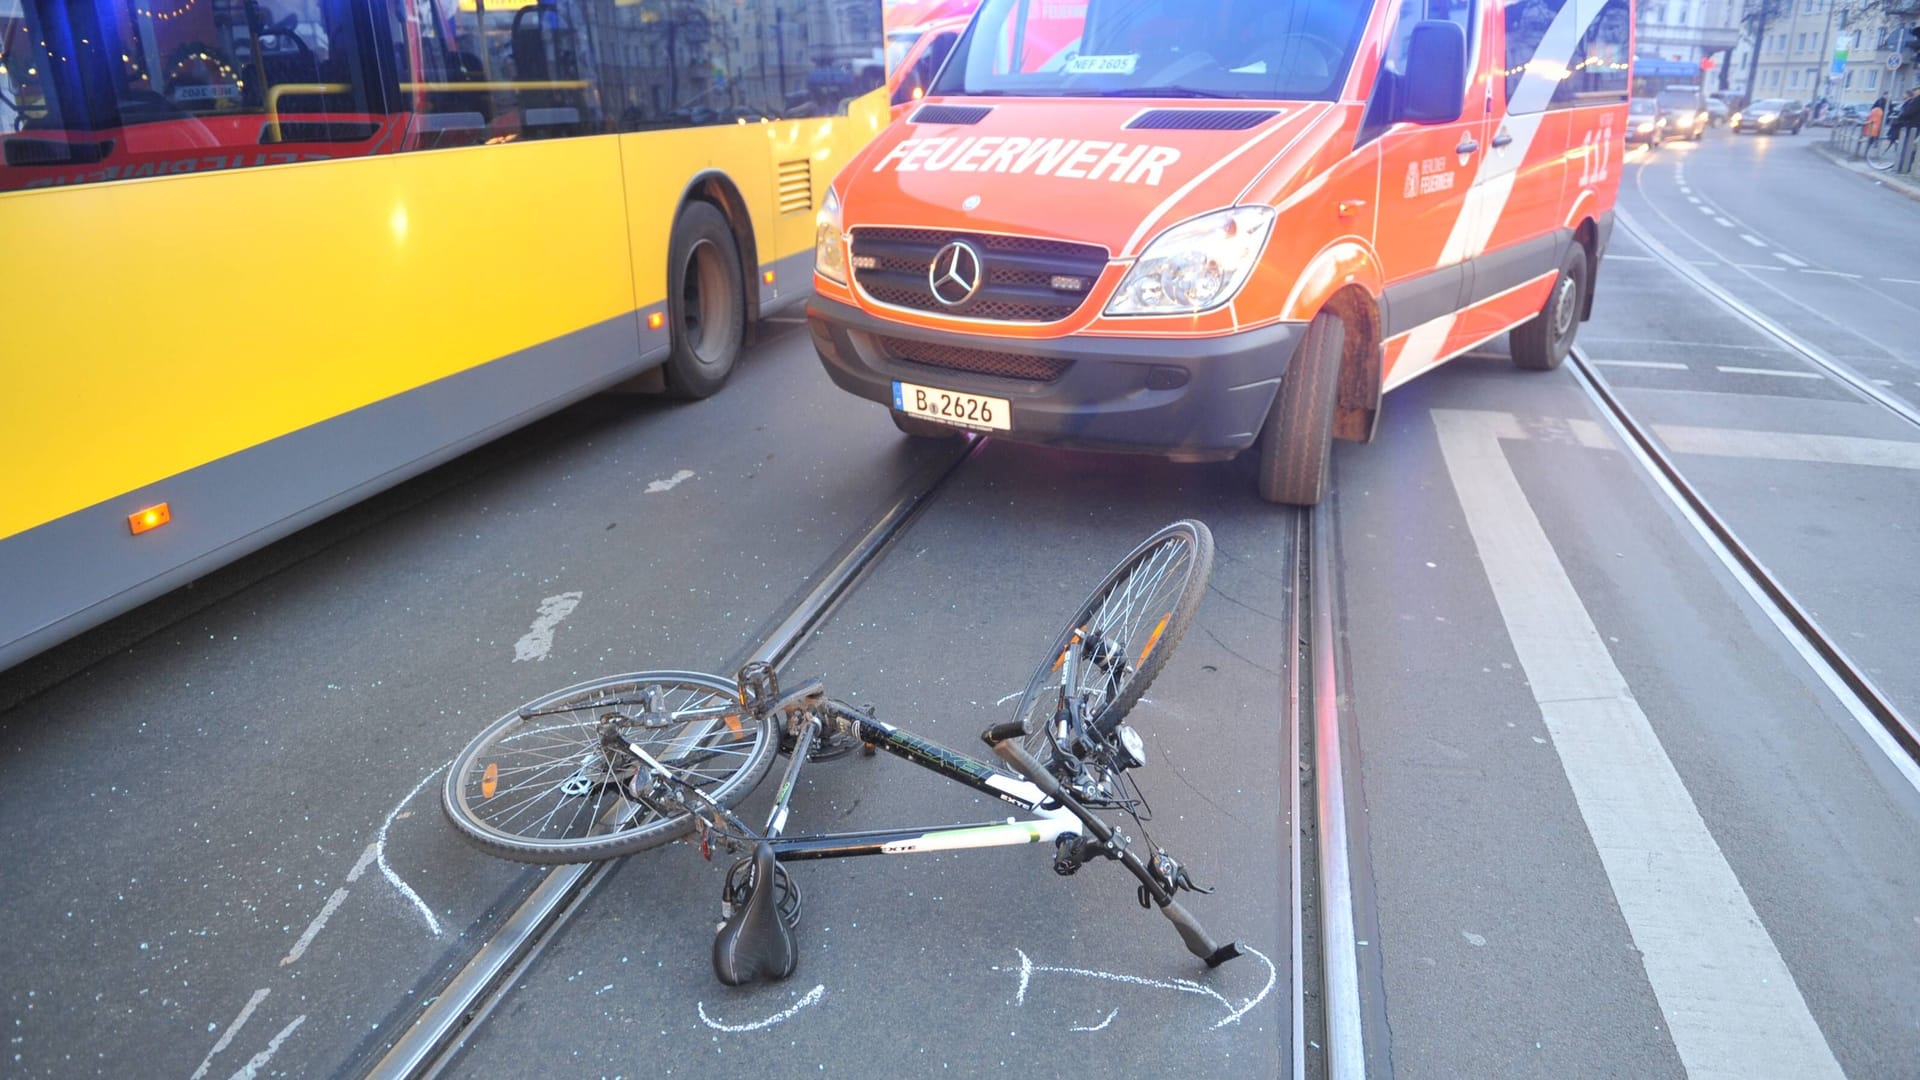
x=1195 y=227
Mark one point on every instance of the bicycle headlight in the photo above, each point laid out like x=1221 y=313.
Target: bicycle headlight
x=1196 y=265
x=829 y=243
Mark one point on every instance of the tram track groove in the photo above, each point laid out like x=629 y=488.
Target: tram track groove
x=1890 y=730
x=1328 y=1022
x=440 y=1028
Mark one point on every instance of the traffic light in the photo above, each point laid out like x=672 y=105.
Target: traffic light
x=1706 y=64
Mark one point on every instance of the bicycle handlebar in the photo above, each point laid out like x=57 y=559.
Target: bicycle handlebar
x=1198 y=941
x=1000 y=733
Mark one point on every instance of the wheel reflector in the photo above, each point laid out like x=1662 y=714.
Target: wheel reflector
x=1154 y=638
x=490 y=780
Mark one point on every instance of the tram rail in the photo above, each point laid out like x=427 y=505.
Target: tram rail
x=436 y=1032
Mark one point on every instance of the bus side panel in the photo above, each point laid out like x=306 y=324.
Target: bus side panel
x=197 y=316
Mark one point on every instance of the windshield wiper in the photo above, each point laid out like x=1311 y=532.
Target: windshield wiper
x=1166 y=92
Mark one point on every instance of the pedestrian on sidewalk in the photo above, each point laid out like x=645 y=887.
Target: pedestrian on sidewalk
x=1876 y=116
x=1908 y=117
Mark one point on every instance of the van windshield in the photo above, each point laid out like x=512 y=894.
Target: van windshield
x=1286 y=49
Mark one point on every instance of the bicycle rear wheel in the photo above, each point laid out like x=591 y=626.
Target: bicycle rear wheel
x=1124 y=633
x=550 y=782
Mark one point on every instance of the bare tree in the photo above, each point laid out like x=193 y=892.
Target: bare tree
x=1754 y=17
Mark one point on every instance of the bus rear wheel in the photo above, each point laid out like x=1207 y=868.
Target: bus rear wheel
x=706 y=302
x=1297 y=441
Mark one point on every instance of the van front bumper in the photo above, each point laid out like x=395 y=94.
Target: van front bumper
x=1191 y=399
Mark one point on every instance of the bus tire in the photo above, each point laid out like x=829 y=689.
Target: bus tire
x=1542 y=343
x=1296 y=443
x=706 y=302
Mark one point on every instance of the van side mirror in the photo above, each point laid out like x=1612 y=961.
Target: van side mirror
x=1436 y=72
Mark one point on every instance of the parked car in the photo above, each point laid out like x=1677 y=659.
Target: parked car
x=1717 y=112
x=1686 y=110
x=1771 y=116
x=1646 y=123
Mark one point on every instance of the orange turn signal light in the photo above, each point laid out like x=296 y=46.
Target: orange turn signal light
x=656 y=320
x=767 y=277
x=149 y=519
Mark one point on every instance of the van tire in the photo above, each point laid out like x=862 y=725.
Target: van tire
x=1542 y=343
x=916 y=428
x=1296 y=443
x=706 y=302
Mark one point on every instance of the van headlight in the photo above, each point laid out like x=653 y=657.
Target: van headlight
x=1196 y=265
x=829 y=243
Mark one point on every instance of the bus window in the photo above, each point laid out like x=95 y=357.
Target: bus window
x=117 y=89
x=476 y=72
x=693 y=63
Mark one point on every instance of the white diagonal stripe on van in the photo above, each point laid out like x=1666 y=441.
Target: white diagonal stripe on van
x=1149 y=223
x=1487 y=198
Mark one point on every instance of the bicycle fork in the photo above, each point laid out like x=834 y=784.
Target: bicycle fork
x=1200 y=943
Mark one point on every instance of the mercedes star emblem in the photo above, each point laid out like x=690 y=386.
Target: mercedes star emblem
x=956 y=273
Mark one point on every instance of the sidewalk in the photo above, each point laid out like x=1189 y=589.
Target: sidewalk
x=1907 y=184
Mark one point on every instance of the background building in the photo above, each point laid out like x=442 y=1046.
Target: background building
x=1846 y=51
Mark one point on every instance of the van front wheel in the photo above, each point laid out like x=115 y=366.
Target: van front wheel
x=1543 y=343
x=1297 y=441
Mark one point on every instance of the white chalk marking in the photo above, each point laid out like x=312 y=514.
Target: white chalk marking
x=259 y=1061
x=380 y=853
x=1730 y=1001
x=1754 y=240
x=1797 y=264
x=1707 y=210
x=1102 y=1025
x=537 y=642
x=1769 y=371
x=1184 y=986
x=670 y=482
x=1694 y=199
x=812 y=996
x=1723 y=221
x=1789 y=446
x=1655 y=365
x=226 y=1038
x=1900 y=281
x=1009 y=697
x=1835 y=273
x=313 y=928
x=366 y=860
x=1614 y=256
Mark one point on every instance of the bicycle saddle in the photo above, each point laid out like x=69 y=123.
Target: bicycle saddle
x=754 y=943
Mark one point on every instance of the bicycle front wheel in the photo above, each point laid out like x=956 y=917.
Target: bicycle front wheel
x=1122 y=635
x=552 y=781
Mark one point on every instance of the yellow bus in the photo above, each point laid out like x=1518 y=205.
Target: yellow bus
x=271 y=256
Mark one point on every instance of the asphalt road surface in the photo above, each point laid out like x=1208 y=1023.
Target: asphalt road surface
x=1608 y=821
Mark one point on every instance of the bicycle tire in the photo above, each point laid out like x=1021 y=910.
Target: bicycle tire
x=560 y=813
x=1187 y=546
x=1879 y=157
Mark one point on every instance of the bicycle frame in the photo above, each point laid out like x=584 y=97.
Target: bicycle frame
x=1047 y=824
